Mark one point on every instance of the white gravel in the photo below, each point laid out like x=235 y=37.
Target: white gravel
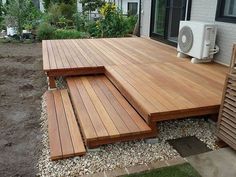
x=127 y=153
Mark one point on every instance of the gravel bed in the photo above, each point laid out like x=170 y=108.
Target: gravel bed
x=127 y=153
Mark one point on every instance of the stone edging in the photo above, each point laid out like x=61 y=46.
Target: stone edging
x=138 y=168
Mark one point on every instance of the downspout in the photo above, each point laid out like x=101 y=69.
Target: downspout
x=139 y=19
x=186 y=11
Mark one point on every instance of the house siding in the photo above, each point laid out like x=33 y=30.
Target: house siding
x=145 y=18
x=203 y=10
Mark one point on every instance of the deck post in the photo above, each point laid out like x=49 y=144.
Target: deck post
x=214 y=117
x=153 y=126
x=51 y=82
x=221 y=143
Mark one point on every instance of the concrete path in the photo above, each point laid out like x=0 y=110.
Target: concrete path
x=219 y=163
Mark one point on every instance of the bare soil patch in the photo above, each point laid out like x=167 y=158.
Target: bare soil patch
x=22 y=83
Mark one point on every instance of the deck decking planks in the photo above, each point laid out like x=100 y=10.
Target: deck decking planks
x=110 y=115
x=146 y=72
x=95 y=53
x=161 y=91
x=65 y=139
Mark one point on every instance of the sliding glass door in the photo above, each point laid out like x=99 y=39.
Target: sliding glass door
x=166 y=15
x=159 y=17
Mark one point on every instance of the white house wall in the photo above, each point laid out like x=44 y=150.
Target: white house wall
x=41 y=7
x=79 y=6
x=145 y=17
x=203 y=10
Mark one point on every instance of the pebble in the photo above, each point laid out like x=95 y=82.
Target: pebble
x=152 y=140
x=124 y=154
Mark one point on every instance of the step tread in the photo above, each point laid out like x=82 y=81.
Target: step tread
x=101 y=109
x=65 y=139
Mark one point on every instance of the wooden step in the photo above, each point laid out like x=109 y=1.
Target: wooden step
x=103 y=113
x=65 y=139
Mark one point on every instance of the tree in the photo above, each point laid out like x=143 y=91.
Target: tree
x=112 y=23
x=91 y=5
x=61 y=14
x=1 y=13
x=19 y=13
x=48 y=3
x=0 y=8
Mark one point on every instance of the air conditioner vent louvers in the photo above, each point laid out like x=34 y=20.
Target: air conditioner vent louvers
x=185 y=39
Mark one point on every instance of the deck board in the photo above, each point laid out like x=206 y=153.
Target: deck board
x=81 y=111
x=66 y=144
x=77 y=141
x=91 y=110
x=107 y=102
x=53 y=132
x=112 y=117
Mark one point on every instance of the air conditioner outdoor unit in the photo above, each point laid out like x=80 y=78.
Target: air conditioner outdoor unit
x=197 y=39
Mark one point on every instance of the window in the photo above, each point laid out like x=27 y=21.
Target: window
x=226 y=11
x=132 y=8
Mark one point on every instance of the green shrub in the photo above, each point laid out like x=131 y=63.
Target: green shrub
x=112 y=23
x=92 y=28
x=53 y=14
x=45 y=31
x=68 y=10
x=131 y=21
x=61 y=15
x=1 y=16
x=69 y=34
x=80 y=21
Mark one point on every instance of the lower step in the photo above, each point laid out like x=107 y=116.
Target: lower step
x=64 y=135
x=103 y=113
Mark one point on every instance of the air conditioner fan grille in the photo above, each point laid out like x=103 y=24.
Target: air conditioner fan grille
x=185 y=39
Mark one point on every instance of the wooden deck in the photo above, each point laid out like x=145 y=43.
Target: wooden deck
x=157 y=83
x=103 y=113
x=132 y=80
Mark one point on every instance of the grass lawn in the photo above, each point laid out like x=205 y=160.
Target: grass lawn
x=183 y=170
